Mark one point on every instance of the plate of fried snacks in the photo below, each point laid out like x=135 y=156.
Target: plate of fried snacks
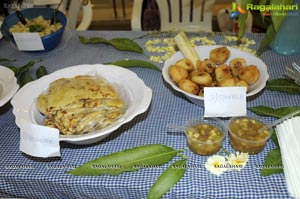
x=8 y=85
x=84 y=106
x=214 y=66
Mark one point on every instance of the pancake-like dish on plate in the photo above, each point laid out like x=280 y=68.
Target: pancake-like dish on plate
x=80 y=105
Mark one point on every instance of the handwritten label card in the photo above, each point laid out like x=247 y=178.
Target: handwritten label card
x=225 y=102
x=39 y=141
x=28 y=41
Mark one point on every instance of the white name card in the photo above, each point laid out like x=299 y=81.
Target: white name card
x=28 y=41
x=225 y=102
x=39 y=141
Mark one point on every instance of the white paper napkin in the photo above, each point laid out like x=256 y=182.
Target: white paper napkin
x=288 y=133
x=39 y=141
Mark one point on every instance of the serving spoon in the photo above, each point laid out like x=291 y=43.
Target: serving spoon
x=53 y=18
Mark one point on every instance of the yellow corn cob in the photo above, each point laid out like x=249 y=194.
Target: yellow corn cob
x=186 y=48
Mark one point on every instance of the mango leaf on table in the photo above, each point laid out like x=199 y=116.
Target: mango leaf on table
x=127 y=160
x=134 y=63
x=118 y=43
x=273 y=163
x=278 y=113
x=283 y=85
x=5 y=60
x=167 y=179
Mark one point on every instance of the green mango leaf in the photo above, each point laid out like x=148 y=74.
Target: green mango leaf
x=127 y=63
x=4 y=59
x=283 y=85
x=269 y=37
x=93 y=40
x=278 y=18
x=41 y=71
x=273 y=163
x=278 y=113
x=275 y=139
x=167 y=179
x=118 y=43
x=126 y=44
x=127 y=160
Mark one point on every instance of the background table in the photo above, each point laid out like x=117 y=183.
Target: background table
x=25 y=176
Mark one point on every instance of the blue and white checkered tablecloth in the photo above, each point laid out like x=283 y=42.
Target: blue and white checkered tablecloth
x=25 y=176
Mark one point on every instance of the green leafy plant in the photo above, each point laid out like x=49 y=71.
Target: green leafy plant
x=269 y=20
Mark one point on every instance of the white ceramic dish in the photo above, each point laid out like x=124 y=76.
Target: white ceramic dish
x=131 y=88
x=8 y=85
x=203 y=52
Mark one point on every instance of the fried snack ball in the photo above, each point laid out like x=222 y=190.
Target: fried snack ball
x=201 y=78
x=219 y=55
x=222 y=73
x=177 y=73
x=227 y=82
x=186 y=64
x=242 y=83
x=249 y=74
x=206 y=65
x=236 y=65
x=189 y=86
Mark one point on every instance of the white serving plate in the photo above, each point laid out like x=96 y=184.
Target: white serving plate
x=130 y=87
x=8 y=85
x=203 y=52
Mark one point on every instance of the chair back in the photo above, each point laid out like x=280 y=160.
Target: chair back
x=73 y=9
x=186 y=15
x=73 y=13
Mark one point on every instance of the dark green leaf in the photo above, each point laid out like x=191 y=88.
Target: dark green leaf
x=126 y=44
x=273 y=163
x=4 y=59
x=127 y=160
x=269 y=36
x=118 y=43
x=26 y=67
x=274 y=139
x=167 y=179
x=134 y=63
x=93 y=40
x=41 y=71
x=283 y=85
x=25 y=77
x=278 y=113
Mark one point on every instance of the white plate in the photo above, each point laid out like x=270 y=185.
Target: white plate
x=8 y=84
x=131 y=88
x=204 y=52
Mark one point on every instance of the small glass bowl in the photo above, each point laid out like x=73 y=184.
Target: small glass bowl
x=244 y=135
x=205 y=135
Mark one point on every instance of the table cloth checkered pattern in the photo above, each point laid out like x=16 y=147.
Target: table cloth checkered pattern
x=30 y=177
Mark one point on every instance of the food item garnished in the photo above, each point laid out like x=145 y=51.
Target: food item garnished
x=212 y=72
x=204 y=139
x=80 y=105
x=39 y=24
x=245 y=135
x=219 y=55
